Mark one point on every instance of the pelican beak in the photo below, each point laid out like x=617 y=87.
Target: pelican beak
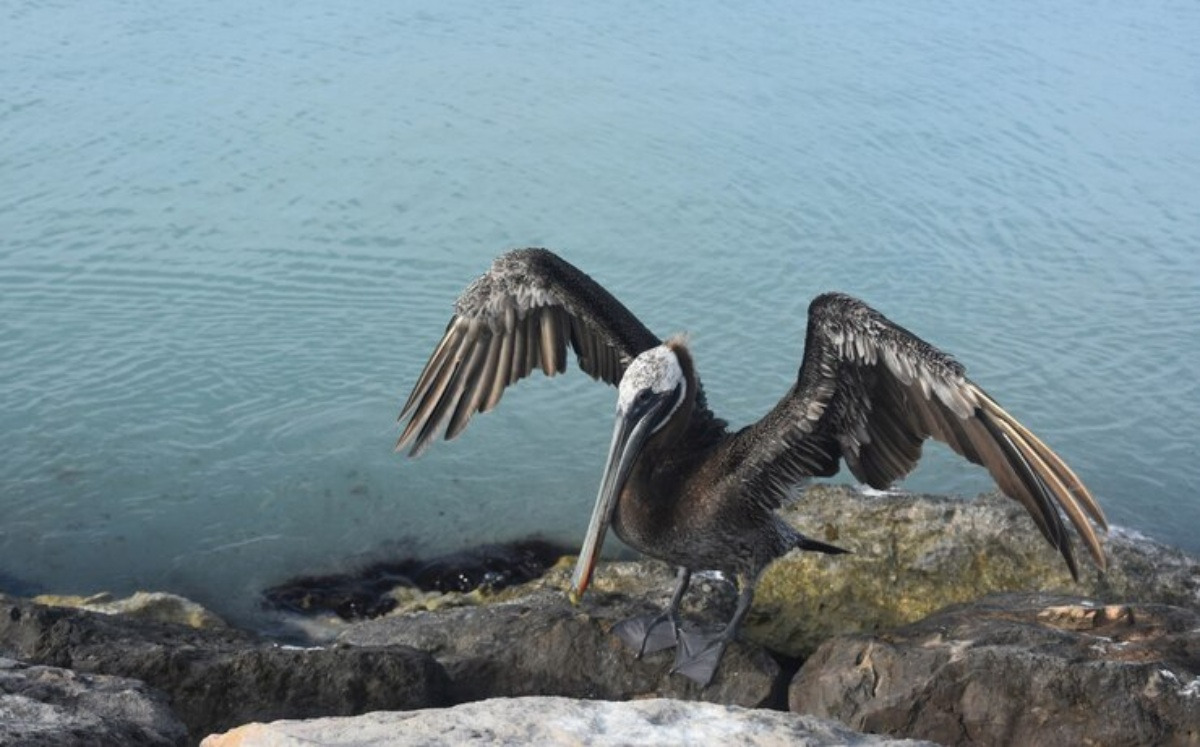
x=633 y=428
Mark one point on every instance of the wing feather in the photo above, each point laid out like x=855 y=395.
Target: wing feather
x=522 y=314
x=869 y=392
x=499 y=372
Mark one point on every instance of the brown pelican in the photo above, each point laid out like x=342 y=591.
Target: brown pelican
x=678 y=485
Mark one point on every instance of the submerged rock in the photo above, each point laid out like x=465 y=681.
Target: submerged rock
x=216 y=679
x=157 y=606
x=558 y=721
x=915 y=554
x=53 y=706
x=1017 y=669
x=382 y=587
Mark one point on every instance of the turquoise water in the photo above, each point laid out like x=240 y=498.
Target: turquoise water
x=231 y=233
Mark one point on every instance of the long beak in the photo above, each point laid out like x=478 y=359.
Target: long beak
x=629 y=435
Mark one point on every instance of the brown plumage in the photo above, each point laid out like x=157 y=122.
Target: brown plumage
x=678 y=486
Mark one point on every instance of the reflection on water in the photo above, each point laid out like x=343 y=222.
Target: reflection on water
x=230 y=235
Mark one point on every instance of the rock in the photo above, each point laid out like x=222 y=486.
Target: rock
x=52 y=706
x=914 y=554
x=557 y=721
x=157 y=606
x=216 y=679
x=538 y=644
x=1017 y=669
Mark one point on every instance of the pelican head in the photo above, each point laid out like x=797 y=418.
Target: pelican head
x=650 y=392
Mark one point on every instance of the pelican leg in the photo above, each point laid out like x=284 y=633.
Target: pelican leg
x=699 y=654
x=651 y=633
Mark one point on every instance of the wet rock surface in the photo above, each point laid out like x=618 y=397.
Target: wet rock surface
x=560 y=721
x=52 y=706
x=1017 y=669
x=216 y=679
x=373 y=590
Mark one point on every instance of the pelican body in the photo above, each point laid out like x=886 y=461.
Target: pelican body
x=678 y=485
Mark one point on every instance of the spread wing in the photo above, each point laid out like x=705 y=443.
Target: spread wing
x=870 y=392
x=523 y=313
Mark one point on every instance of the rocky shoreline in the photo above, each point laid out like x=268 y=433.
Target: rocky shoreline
x=950 y=622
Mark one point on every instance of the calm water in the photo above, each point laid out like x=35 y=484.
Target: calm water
x=230 y=234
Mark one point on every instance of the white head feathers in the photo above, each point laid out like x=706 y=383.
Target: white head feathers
x=657 y=369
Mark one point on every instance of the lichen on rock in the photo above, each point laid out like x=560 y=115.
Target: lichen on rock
x=915 y=554
x=145 y=605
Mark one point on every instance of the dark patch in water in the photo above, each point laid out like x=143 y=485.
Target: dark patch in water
x=17 y=587
x=364 y=594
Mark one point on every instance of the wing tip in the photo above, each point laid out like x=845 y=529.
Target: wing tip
x=1059 y=489
x=405 y=440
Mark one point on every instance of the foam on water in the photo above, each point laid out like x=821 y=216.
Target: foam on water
x=230 y=234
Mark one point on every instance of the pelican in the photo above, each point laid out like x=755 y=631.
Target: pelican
x=678 y=485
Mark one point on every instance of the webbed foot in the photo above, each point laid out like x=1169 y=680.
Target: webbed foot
x=647 y=634
x=699 y=655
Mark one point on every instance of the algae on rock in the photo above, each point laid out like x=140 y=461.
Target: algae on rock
x=915 y=554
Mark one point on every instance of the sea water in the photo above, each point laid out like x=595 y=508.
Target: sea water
x=231 y=233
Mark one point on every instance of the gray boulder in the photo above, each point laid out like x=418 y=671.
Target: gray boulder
x=52 y=706
x=216 y=679
x=557 y=721
x=1017 y=669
